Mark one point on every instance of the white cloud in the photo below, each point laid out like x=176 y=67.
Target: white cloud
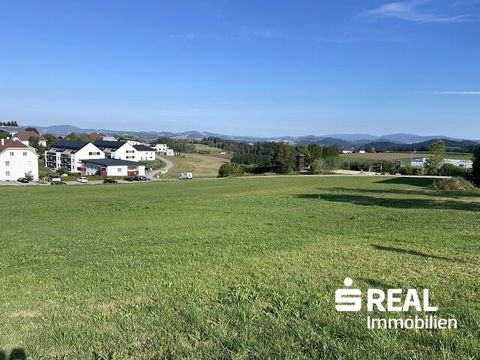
x=456 y=93
x=410 y=11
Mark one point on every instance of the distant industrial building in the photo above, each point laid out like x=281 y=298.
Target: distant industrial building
x=420 y=162
x=466 y=164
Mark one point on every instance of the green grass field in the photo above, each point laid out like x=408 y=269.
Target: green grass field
x=404 y=156
x=200 y=165
x=233 y=268
x=207 y=149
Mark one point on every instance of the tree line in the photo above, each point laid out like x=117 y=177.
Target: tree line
x=8 y=123
x=278 y=157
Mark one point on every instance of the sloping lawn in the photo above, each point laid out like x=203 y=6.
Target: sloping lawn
x=233 y=268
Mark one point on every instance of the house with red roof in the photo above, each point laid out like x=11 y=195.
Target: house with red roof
x=17 y=160
x=25 y=136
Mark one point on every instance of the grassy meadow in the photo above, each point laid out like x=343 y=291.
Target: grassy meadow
x=234 y=268
x=404 y=156
x=201 y=165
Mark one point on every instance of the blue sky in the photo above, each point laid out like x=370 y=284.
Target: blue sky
x=246 y=67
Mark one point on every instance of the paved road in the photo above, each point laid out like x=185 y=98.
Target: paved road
x=168 y=165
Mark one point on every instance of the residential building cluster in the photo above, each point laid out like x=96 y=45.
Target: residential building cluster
x=105 y=156
x=102 y=155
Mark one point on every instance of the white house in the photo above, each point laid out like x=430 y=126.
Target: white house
x=159 y=147
x=169 y=152
x=69 y=155
x=145 y=153
x=120 y=150
x=163 y=149
x=17 y=160
x=113 y=167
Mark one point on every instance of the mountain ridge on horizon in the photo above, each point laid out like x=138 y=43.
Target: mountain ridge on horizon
x=341 y=139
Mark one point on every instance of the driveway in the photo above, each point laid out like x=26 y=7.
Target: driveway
x=168 y=165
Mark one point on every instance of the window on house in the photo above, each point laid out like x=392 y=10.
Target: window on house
x=119 y=170
x=24 y=153
x=7 y=163
x=7 y=173
x=12 y=153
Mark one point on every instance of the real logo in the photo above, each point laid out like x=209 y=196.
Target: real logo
x=392 y=300
x=350 y=299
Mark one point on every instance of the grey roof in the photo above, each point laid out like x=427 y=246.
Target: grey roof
x=143 y=148
x=109 y=144
x=66 y=144
x=11 y=129
x=111 y=162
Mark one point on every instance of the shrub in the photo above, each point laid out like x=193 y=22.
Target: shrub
x=452 y=170
x=229 y=169
x=418 y=171
x=454 y=183
x=321 y=166
x=389 y=167
x=407 y=170
x=357 y=165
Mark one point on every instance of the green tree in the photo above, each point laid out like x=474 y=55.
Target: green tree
x=32 y=129
x=284 y=157
x=434 y=162
x=315 y=152
x=476 y=166
x=77 y=137
x=51 y=139
x=229 y=169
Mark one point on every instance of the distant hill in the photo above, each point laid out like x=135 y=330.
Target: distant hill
x=393 y=142
x=353 y=138
x=452 y=145
x=407 y=138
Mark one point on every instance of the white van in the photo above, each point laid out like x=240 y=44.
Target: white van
x=185 y=176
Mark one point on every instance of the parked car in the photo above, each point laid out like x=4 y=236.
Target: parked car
x=129 y=178
x=109 y=181
x=54 y=179
x=143 y=178
x=185 y=176
x=82 y=180
x=23 y=180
